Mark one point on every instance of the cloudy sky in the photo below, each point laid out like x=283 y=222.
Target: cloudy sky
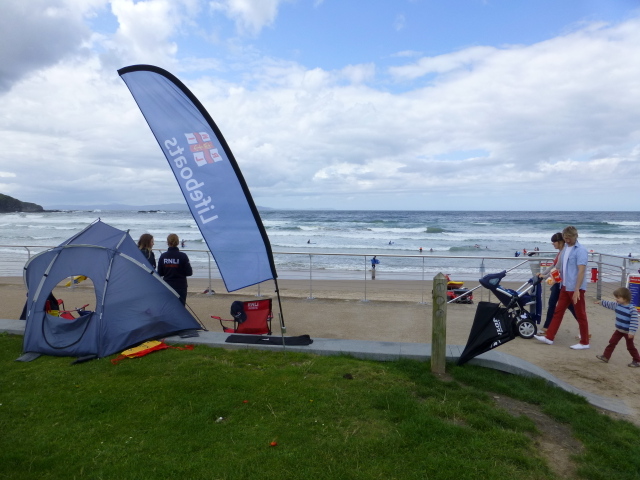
x=376 y=104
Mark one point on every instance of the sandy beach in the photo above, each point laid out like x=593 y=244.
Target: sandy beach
x=396 y=311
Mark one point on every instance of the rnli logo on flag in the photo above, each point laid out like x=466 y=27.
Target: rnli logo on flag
x=202 y=147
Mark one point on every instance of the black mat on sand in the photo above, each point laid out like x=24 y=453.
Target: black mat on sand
x=267 y=340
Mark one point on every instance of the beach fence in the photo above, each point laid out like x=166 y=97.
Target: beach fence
x=410 y=275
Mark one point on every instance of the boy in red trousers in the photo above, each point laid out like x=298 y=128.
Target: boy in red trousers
x=626 y=325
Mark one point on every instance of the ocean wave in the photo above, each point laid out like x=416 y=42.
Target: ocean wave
x=284 y=229
x=448 y=233
x=624 y=223
x=609 y=241
x=466 y=248
x=397 y=230
x=60 y=227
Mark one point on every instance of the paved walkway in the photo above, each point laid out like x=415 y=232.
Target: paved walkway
x=388 y=351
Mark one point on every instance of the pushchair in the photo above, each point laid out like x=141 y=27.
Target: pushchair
x=514 y=301
x=498 y=323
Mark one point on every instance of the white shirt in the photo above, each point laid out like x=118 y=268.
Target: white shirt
x=565 y=258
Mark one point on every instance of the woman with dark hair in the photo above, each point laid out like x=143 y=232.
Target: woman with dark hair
x=145 y=244
x=558 y=244
x=174 y=267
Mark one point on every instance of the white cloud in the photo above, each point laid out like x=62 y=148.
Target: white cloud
x=530 y=107
x=562 y=113
x=441 y=63
x=357 y=74
x=251 y=16
x=145 y=30
x=399 y=22
x=39 y=33
x=407 y=53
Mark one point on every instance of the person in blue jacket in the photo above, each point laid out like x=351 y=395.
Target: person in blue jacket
x=174 y=267
x=145 y=244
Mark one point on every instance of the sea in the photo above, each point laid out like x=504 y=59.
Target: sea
x=302 y=237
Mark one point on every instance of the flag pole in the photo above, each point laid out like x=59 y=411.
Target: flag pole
x=283 y=328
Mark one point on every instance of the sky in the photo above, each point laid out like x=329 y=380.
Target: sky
x=335 y=104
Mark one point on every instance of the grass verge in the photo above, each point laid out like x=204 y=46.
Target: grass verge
x=215 y=414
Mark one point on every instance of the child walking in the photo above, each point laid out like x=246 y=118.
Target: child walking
x=626 y=325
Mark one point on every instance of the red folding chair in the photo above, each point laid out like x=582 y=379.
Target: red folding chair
x=60 y=311
x=258 y=321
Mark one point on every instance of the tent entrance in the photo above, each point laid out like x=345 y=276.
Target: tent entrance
x=60 y=332
x=71 y=299
x=68 y=318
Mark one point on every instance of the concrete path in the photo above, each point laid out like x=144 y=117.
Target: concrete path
x=388 y=351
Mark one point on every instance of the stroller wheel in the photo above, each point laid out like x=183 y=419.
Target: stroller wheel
x=526 y=328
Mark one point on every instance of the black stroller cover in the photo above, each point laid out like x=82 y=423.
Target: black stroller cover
x=491 y=328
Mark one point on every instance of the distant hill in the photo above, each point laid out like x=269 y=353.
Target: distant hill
x=120 y=206
x=173 y=207
x=9 y=205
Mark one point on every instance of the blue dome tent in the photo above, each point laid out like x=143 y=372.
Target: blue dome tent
x=133 y=304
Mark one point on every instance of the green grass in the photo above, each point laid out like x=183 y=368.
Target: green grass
x=156 y=417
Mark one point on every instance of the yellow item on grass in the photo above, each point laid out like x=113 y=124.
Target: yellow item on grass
x=146 y=348
x=148 y=345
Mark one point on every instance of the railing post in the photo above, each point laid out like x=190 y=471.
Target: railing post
x=623 y=280
x=209 y=290
x=310 y=297
x=599 y=280
x=365 y=280
x=423 y=283
x=482 y=274
x=439 y=325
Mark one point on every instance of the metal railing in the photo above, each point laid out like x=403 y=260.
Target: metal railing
x=606 y=272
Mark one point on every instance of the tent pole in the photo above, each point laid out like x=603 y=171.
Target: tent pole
x=196 y=317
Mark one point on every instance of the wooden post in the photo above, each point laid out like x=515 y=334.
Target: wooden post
x=439 y=324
